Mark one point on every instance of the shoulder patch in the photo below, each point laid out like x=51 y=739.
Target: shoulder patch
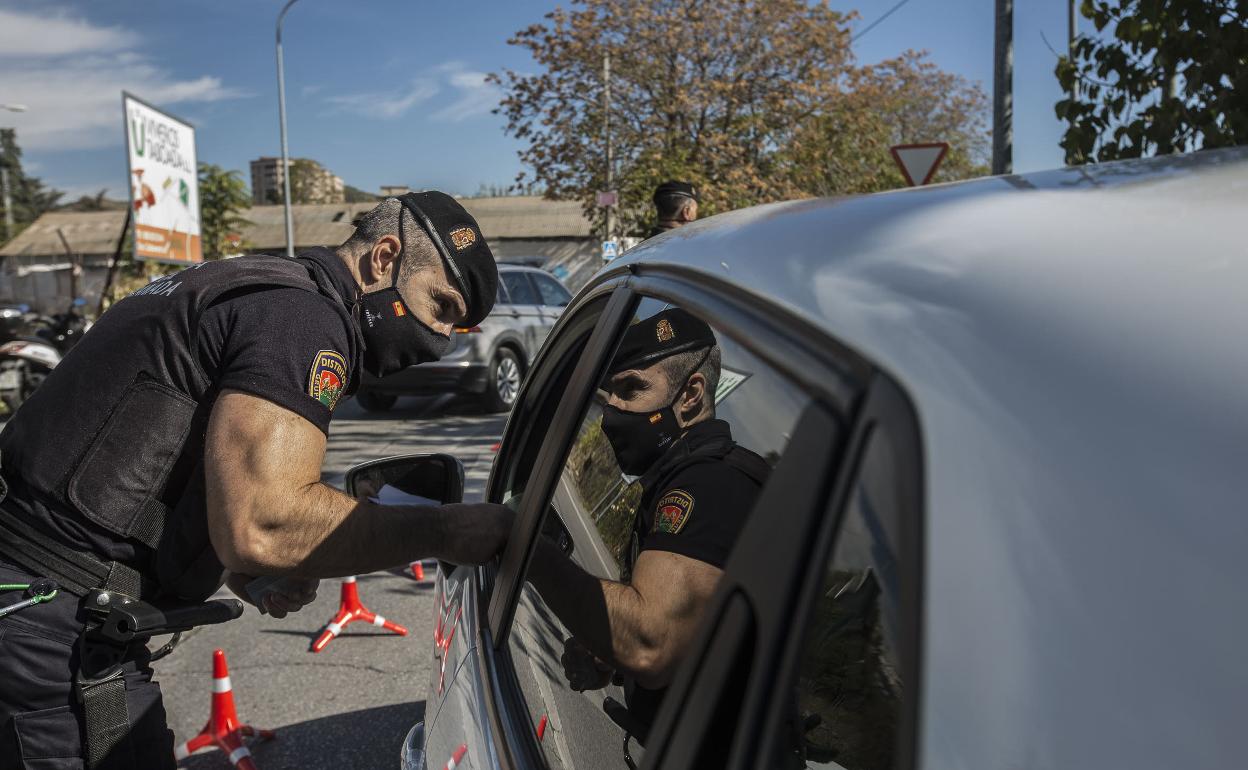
x=328 y=378
x=672 y=512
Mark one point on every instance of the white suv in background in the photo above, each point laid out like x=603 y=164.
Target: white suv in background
x=489 y=359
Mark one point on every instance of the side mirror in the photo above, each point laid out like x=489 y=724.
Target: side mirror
x=425 y=479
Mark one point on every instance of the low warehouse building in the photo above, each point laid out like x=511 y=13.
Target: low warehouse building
x=36 y=266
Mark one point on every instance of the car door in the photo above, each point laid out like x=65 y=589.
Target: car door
x=525 y=310
x=554 y=298
x=793 y=410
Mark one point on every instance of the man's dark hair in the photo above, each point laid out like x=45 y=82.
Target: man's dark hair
x=677 y=370
x=670 y=205
x=382 y=220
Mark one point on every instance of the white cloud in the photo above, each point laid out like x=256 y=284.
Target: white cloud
x=386 y=105
x=72 y=85
x=44 y=35
x=476 y=97
x=468 y=95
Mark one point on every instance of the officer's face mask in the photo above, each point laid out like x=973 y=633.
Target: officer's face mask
x=394 y=338
x=639 y=439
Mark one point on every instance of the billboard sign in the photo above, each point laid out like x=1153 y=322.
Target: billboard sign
x=164 y=184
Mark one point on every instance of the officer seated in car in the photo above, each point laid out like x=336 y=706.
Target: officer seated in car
x=698 y=485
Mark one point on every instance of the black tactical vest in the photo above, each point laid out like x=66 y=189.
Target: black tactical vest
x=116 y=434
x=681 y=456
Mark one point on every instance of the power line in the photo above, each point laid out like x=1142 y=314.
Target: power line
x=877 y=22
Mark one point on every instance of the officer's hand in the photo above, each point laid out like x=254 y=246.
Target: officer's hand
x=582 y=668
x=290 y=595
x=474 y=533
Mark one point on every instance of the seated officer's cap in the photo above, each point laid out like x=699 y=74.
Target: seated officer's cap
x=659 y=336
x=676 y=188
x=458 y=239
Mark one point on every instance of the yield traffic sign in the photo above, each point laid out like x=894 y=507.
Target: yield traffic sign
x=919 y=161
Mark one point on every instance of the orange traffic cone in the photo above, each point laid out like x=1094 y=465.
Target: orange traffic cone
x=418 y=570
x=351 y=610
x=223 y=729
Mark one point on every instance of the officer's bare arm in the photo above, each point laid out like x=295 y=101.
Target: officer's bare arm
x=644 y=627
x=269 y=513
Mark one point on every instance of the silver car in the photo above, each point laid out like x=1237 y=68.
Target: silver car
x=488 y=360
x=1005 y=525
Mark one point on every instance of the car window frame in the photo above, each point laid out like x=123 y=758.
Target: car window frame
x=606 y=305
x=832 y=375
x=757 y=728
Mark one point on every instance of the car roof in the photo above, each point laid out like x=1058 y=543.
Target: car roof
x=511 y=267
x=1073 y=344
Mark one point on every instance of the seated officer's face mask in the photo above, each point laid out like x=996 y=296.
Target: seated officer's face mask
x=639 y=439
x=394 y=338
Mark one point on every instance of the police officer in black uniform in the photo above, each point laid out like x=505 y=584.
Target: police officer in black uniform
x=676 y=204
x=179 y=446
x=698 y=487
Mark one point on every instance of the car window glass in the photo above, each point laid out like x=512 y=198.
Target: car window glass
x=630 y=506
x=502 y=293
x=550 y=289
x=519 y=288
x=848 y=695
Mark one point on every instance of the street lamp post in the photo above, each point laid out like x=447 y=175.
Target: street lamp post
x=281 y=109
x=4 y=180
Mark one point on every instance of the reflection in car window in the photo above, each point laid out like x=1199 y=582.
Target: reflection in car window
x=518 y=287
x=849 y=690
x=660 y=478
x=552 y=293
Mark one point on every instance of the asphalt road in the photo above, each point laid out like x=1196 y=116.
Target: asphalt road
x=350 y=705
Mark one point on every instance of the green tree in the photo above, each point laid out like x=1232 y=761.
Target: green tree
x=736 y=96
x=222 y=196
x=1160 y=76
x=29 y=195
x=906 y=100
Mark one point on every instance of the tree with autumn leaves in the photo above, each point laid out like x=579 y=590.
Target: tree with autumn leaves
x=751 y=100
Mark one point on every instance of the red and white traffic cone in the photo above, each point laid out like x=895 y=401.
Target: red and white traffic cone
x=418 y=570
x=223 y=730
x=350 y=610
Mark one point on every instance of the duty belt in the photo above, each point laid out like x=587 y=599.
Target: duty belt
x=115 y=619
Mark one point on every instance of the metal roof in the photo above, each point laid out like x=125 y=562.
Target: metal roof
x=514 y=217
x=1073 y=344
x=88 y=232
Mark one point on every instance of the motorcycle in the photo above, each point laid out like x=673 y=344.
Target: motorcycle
x=26 y=360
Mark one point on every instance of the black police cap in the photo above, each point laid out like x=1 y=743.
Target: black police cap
x=661 y=335
x=676 y=188
x=458 y=239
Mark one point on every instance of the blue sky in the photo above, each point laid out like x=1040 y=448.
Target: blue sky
x=381 y=91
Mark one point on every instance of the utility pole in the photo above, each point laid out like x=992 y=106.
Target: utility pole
x=1003 y=90
x=281 y=110
x=8 y=199
x=75 y=265
x=606 y=128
